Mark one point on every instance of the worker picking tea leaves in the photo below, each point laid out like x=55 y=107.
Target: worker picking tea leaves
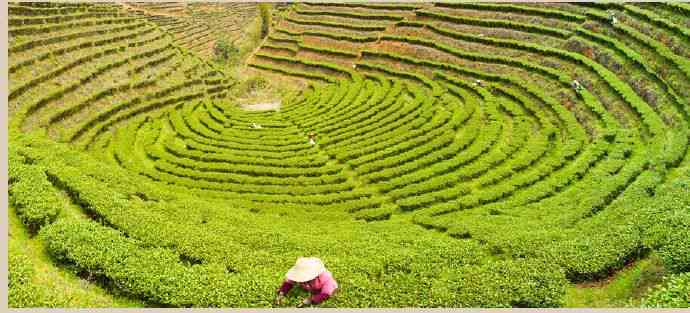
x=311 y=274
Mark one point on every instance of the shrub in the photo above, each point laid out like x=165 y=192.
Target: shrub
x=225 y=51
x=34 y=197
x=534 y=283
x=666 y=222
x=20 y=270
x=673 y=293
x=21 y=293
x=265 y=12
x=674 y=244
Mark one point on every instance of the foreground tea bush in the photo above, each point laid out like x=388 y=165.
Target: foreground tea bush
x=32 y=194
x=21 y=292
x=157 y=275
x=673 y=293
x=100 y=250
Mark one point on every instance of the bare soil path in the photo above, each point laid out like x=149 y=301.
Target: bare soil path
x=262 y=106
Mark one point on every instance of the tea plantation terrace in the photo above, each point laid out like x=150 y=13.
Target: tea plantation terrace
x=455 y=165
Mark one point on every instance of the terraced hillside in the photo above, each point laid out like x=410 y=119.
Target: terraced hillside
x=76 y=71
x=455 y=163
x=197 y=26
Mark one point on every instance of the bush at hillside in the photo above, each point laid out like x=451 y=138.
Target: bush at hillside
x=673 y=293
x=676 y=251
x=21 y=292
x=225 y=51
x=265 y=11
x=667 y=220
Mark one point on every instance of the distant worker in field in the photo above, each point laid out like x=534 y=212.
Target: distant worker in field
x=576 y=85
x=311 y=274
x=312 y=138
x=478 y=83
x=256 y=126
x=612 y=18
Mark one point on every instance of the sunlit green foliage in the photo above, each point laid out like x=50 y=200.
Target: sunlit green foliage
x=453 y=163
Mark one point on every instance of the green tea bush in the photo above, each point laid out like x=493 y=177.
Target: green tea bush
x=36 y=200
x=265 y=13
x=521 y=284
x=675 y=251
x=667 y=222
x=225 y=51
x=674 y=292
x=153 y=274
x=21 y=291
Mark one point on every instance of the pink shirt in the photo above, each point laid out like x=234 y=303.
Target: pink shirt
x=321 y=287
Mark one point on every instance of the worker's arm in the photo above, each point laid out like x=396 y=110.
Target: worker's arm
x=285 y=288
x=319 y=297
x=326 y=291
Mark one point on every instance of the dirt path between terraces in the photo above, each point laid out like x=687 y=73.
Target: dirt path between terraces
x=262 y=106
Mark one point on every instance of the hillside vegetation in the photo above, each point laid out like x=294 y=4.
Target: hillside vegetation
x=455 y=163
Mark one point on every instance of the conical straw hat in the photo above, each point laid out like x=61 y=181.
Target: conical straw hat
x=305 y=269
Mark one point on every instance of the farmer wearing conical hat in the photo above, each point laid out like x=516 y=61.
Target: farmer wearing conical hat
x=312 y=276
x=612 y=18
x=312 y=138
x=576 y=85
